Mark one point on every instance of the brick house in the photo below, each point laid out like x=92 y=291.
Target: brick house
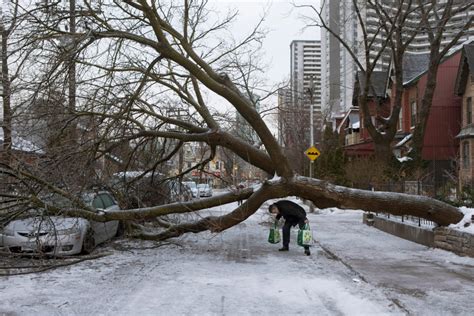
x=440 y=146
x=465 y=89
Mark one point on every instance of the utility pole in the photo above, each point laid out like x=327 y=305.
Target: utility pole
x=311 y=131
x=311 y=122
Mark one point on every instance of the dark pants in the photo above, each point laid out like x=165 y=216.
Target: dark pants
x=286 y=232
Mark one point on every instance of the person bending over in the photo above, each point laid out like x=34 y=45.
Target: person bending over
x=293 y=214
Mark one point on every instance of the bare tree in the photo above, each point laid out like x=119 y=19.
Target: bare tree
x=7 y=27
x=136 y=58
x=294 y=129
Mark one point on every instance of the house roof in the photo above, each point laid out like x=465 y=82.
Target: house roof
x=466 y=68
x=379 y=83
x=466 y=132
x=420 y=62
x=414 y=65
x=469 y=51
x=21 y=144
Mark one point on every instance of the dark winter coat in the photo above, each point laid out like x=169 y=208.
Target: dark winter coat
x=291 y=212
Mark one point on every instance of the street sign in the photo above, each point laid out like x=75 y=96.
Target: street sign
x=312 y=153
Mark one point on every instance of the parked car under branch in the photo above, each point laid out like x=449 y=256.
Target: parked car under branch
x=59 y=235
x=204 y=189
x=193 y=187
x=136 y=189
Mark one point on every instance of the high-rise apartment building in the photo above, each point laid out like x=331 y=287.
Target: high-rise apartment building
x=338 y=67
x=305 y=65
x=284 y=116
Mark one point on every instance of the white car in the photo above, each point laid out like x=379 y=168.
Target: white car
x=193 y=187
x=204 y=189
x=60 y=235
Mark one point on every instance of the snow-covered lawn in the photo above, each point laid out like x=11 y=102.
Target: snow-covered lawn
x=354 y=269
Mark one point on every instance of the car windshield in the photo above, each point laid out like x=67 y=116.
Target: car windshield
x=203 y=186
x=191 y=185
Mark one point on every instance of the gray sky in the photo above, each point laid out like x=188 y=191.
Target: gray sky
x=284 y=23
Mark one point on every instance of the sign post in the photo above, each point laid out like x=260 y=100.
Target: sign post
x=312 y=153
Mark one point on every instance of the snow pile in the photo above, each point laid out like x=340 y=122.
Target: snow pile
x=276 y=178
x=465 y=224
x=404 y=159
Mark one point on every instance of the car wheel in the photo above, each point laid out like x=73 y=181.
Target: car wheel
x=89 y=243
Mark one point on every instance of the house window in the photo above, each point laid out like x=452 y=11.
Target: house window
x=469 y=110
x=412 y=113
x=465 y=155
x=400 y=120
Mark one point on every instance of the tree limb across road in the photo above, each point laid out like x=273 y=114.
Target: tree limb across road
x=139 y=62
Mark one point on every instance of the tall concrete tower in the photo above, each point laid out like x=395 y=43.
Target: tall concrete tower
x=305 y=64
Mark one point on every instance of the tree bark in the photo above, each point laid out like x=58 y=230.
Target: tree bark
x=377 y=201
x=323 y=194
x=7 y=111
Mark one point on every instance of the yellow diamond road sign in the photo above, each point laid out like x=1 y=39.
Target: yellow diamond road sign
x=312 y=153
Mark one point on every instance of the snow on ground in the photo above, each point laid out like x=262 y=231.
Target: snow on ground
x=354 y=269
x=465 y=224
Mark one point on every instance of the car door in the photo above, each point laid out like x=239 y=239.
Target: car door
x=99 y=228
x=109 y=205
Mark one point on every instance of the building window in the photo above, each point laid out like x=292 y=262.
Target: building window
x=465 y=155
x=400 y=120
x=412 y=113
x=469 y=110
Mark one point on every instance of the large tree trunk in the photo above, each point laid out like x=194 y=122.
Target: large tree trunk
x=383 y=151
x=378 y=201
x=424 y=112
x=323 y=194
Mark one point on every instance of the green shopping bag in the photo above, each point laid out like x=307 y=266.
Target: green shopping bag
x=305 y=236
x=274 y=236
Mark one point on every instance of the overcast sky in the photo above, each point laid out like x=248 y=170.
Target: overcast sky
x=284 y=23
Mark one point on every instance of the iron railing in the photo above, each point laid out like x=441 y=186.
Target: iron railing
x=419 y=221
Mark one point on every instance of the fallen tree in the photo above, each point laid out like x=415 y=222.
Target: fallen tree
x=141 y=58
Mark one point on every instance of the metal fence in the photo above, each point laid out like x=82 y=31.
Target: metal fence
x=409 y=219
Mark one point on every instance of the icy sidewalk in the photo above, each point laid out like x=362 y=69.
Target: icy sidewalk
x=422 y=280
